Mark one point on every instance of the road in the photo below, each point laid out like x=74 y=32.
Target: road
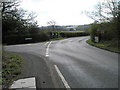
x=81 y=65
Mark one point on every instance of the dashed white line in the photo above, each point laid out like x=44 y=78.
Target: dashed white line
x=47 y=49
x=62 y=78
x=46 y=43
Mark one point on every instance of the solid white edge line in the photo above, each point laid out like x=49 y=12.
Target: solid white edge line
x=47 y=49
x=62 y=78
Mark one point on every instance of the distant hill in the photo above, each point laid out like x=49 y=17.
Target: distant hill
x=83 y=27
x=69 y=27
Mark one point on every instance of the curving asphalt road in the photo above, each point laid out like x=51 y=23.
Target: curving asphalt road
x=85 y=66
x=82 y=65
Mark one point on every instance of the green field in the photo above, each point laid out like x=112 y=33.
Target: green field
x=72 y=31
x=68 y=31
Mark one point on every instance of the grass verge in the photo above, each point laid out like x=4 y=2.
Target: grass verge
x=68 y=31
x=11 y=68
x=107 y=45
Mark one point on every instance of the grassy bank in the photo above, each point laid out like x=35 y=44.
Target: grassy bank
x=11 y=68
x=72 y=31
x=107 y=45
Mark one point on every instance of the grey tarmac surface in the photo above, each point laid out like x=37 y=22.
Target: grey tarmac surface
x=85 y=66
x=82 y=65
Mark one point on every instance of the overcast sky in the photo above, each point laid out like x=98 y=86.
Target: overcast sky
x=64 y=12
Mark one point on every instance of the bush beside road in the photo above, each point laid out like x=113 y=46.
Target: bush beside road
x=41 y=37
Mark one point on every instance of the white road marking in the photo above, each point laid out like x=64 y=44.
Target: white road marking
x=47 y=49
x=46 y=43
x=62 y=78
x=24 y=84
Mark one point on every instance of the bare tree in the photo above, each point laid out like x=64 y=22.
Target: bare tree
x=52 y=23
x=107 y=18
x=8 y=7
x=105 y=11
